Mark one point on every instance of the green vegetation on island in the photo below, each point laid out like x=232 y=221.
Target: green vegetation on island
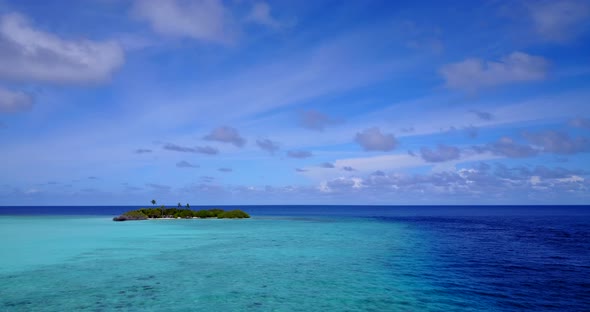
x=179 y=213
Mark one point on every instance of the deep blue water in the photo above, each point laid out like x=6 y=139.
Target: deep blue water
x=298 y=258
x=322 y=210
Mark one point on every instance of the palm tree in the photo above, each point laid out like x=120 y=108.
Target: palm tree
x=188 y=206
x=179 y=205
x=153 y=202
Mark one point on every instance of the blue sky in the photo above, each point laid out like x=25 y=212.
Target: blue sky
x=107 y=102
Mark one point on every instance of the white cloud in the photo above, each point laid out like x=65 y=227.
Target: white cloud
x=472 y=74
x=534 y=180
x=14 y=101
x=28 y=54
x=373 y=140
x=571 y=179
x=389 y=163
x=206 y=20
x=481 y=183
x=559 y=142
x=559 y=21
x=260 y=14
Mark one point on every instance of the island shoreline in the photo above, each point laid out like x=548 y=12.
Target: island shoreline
x=163 y=213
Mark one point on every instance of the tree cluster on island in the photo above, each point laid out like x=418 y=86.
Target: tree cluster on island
x=179 y=213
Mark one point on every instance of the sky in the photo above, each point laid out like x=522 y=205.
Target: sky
x=118 y=102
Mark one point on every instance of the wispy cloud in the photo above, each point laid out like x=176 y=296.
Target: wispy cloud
x=208 y=150
x=178 y=148
x=487 y=116
x=559 y=142
x=14 y=101
x=393 y=163
x=471 y=132
x=315 y=120
x=507 y=147
x=473 y=74
x=159 y=187
x=580 y=122
x=319 y=71
x=205 y=20
x=30 y=54
x=299 y=154
x=268 y=145
x=261 y=14
x=185 y=164
x=440 y=154
x=184 y=149
x=131 y=188
x=207 y=179
x=143 y=151
x=559 y=21
x=226 y=135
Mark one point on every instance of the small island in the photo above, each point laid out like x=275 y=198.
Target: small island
x=180 y=213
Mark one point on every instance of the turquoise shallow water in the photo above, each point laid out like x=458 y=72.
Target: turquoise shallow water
x=272 y=264
x=281 y=263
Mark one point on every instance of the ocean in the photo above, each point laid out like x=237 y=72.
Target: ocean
x=298 y=258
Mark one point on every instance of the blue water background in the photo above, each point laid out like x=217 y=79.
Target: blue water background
x=298 y=258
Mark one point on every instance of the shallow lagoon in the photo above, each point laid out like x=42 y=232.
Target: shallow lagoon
x=300 y=263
